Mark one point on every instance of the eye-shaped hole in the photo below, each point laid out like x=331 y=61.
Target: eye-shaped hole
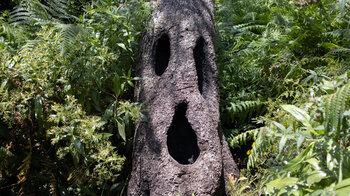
x=199 y=58
x=181 y=138
x=162 y=54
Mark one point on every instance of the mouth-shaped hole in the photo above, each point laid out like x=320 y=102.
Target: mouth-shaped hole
x=181 y=138
x=162 y=54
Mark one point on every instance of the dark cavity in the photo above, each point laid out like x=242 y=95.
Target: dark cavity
x=199 y=58
x=181 y=138
x=162 y=54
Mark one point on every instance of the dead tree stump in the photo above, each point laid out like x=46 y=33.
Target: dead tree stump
x=180 y=149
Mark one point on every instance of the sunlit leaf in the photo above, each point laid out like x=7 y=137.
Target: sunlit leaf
x=281 y=182
x=121 y=130
x=282 y=143
x=301 y=115
x=79 y=147
x=315 y=177
x=343 y=188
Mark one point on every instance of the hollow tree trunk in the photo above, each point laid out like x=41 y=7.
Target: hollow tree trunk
x=180 y=149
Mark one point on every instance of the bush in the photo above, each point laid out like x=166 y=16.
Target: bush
x=65 y=96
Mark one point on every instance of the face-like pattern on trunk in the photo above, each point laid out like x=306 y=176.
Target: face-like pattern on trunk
x=180 y=145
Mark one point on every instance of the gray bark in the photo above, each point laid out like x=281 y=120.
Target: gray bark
x=180 y=149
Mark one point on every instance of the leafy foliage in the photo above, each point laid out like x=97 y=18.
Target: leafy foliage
x=324 y=163
x=66 y=80
x=292 y=59
x=66 y=84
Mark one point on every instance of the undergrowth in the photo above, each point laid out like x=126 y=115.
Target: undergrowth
x=284 y=70
x=66 y=76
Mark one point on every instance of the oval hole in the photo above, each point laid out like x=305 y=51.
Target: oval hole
x=199 y=58
x=162 y=54
x=181 y=139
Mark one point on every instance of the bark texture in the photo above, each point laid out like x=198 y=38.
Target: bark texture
x=180 y=150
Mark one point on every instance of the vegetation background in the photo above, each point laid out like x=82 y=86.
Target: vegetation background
x=66 y=87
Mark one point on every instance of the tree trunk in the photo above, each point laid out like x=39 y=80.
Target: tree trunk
x=180 y=149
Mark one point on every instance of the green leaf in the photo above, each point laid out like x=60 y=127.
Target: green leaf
x=301 y=115
x=96 y=100
x=3 y=84
x=330 y=161
x=300 y=140
x=79 y=147
x=295 y=164
x=122 y=46
x=144 y=117
x=106 y=135
x=116 y=187
x=109 y=112
x=280 y=126
x=281 y=182
x=75 y=157
x=343 y=187
x=38 y=108
x=315 y=177
x=121 y=130
x=117 y=88
x=328 y=45
x=327 y=86
x=314 y=162
x=282 y=143
x=342 y=6
x=130 y=83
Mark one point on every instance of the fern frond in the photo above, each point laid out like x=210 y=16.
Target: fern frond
x=13 y=33
x=243 y=137
x=258 y=148
x=339 y=51
x=244 y=106
x=335 y=108
x=40 y=12
x=48 y=167
x=58 y=8
x=69 y=33
x=254 y=28
x=77 y=177
x=19 y=16
x=25 y=166
x=30 y=45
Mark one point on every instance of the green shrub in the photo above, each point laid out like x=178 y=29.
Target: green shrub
x=275 y=57
x=66 y=85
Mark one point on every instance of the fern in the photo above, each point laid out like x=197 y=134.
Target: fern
x=19 y=15
x=25 y=166
x=244 y=106
x=14 y=35
x=335 y=108
x=242 y=138
x=48 y=166
x=58 y=8
x=29 y=11
x=260 y=146
x=69 y=34
x=33 y=11
x=49 y=12
x=242 y=110
x=77 y=176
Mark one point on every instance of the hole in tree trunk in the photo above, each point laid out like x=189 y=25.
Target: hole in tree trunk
x=162 y=54
x=199 y=58
x=182 y=140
